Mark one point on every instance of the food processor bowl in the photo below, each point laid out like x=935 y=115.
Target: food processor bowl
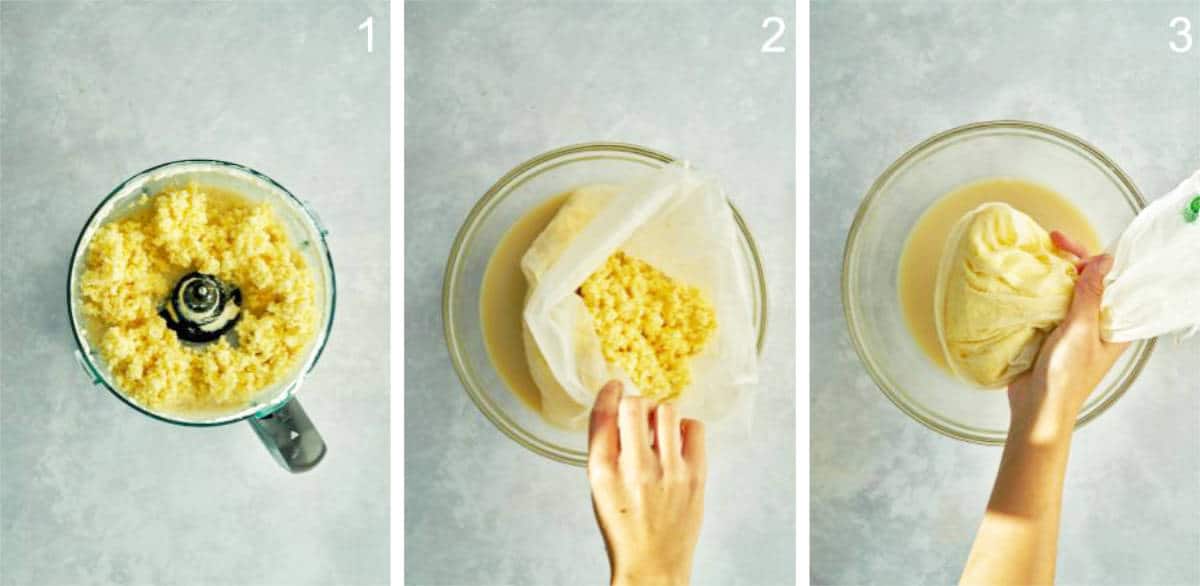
x=276 y=416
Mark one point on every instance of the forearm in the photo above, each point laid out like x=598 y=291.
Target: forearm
x=651 y=578
x=1018 y=538
x=653 y=568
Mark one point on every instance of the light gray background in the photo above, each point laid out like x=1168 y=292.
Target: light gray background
x=92 y=492
x=893 y=502
x=490 y=86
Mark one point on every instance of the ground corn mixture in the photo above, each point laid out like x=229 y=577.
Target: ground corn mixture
x=648 y=324
x=132 y=265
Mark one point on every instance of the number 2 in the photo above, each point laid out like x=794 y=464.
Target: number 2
x=369 y=24
x=1185 y=31
x=770 y=46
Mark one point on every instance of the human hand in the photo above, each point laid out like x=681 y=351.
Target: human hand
x=647 y=469
x=1073 y=359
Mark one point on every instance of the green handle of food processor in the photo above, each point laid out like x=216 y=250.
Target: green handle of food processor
x=290 y=437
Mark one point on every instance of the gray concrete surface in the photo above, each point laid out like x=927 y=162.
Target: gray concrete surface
x=488 y=86
x=91 y=492
x=895 y=503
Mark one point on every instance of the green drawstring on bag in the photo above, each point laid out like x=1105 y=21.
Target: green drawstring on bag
x=1192 y=210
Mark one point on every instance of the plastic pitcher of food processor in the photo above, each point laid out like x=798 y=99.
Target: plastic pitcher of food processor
x=274 y=412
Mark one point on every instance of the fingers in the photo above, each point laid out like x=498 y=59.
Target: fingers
x=694 y=451
x=667 y=438
x=1063 y=242
x=620 y=430
x=602 y=428
x=1089 y=289
x=633 y=423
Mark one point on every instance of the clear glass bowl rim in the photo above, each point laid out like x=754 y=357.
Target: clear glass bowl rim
x=312 y=360
x=1133 y=197
x=463 y=239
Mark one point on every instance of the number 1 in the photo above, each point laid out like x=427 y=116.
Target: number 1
x=369 y=24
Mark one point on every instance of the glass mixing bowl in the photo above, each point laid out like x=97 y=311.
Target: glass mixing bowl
x=933 y=168
x=274 y=414
x=515 y=194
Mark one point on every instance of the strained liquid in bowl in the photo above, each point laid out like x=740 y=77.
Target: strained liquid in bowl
x=502 y=299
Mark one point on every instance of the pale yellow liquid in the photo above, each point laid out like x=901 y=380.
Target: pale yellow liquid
x=923 y=248
x=502 y=299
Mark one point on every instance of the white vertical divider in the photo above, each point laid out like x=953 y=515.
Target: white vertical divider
x=802 y=290
x=396 y=262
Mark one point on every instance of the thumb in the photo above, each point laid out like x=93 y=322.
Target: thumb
x=1089 y=289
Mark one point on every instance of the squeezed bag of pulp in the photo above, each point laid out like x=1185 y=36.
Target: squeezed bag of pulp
x=1001 y=286
x=675 y=219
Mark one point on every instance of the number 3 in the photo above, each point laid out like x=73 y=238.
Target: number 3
x=1185 y=31
x=770 y=46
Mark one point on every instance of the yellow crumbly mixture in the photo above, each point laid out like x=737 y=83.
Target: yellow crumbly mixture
x=132 y=265
x=648 y=324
